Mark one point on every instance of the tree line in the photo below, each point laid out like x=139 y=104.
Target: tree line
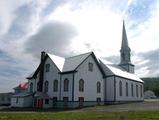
x=151 y=84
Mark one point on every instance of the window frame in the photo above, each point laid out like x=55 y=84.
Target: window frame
x=46 y=101
x=98 y=100
x=46 y=86
x=2 y=98
x=132 y=89
x=65 y=101
x=90 y=66
x=81 y=85
x=127 y=89
x=55 y=86
x=81 y=101
x=98 y=87
x=17 y=100
x=137 y=93
x=66 y=85
x=120 y=88
x=47 y=67
x=141 y=90
x=54 y=101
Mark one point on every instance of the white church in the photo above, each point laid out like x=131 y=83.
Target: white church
x=82 y=80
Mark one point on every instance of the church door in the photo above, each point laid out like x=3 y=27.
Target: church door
x=39 y=103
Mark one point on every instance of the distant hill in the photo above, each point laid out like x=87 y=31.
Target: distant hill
x=151 y=84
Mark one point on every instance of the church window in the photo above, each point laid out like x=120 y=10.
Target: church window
x=54 y=101
x=46 y=101
x=66 y=85
x=65 y=101
x=55 y=86
x=98 y=101
x=127 y=89
x=46 y=86
x=98 y=87
x=81 y=101
x=47 y=67
x=31 y=87
x=129 y=56
x=137 y=91
x=120 y=88
x=132 y=90
x=9 y=99
x=2 y=99
x=17 y=100
x=90 y=67
x=141 y=90
x=81 y=85
x=123 y=56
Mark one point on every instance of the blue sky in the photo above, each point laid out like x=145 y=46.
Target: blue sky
x=71 y=27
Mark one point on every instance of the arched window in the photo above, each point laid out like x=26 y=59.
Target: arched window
x=31 y=87
x=55 y=87
x=127 y=89
x=132 y=90
x=98 y=87
x=81 y=85
x=66 y=85
x=46 y=86
x=137 y=91
x=120 y=88
x=141 y=90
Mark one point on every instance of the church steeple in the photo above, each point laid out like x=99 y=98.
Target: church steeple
x=124 y=44
x=125 y=58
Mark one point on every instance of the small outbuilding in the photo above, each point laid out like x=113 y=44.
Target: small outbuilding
x=149 y=94
x=5 y=98
x=22 y=100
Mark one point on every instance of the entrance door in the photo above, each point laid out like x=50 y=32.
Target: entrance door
x=39 y=103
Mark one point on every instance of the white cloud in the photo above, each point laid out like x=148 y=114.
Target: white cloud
x=99 y=27
x=7 y=15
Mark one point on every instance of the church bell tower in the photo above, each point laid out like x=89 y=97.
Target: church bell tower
x=125 y=56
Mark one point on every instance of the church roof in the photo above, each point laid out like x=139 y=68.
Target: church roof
x=59 y=61
x=22 y=86
x=111 y=69
x=65 y=64
x=71 y=63
x=22 y=95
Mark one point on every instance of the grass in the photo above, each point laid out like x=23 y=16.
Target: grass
x=143 y=115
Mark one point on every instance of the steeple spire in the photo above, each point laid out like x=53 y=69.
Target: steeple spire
x=125 y=60
x=124 y=44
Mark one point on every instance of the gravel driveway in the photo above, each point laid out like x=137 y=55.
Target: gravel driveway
x=147 y=105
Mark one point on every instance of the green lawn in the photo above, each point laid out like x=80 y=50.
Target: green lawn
x=148 y=115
